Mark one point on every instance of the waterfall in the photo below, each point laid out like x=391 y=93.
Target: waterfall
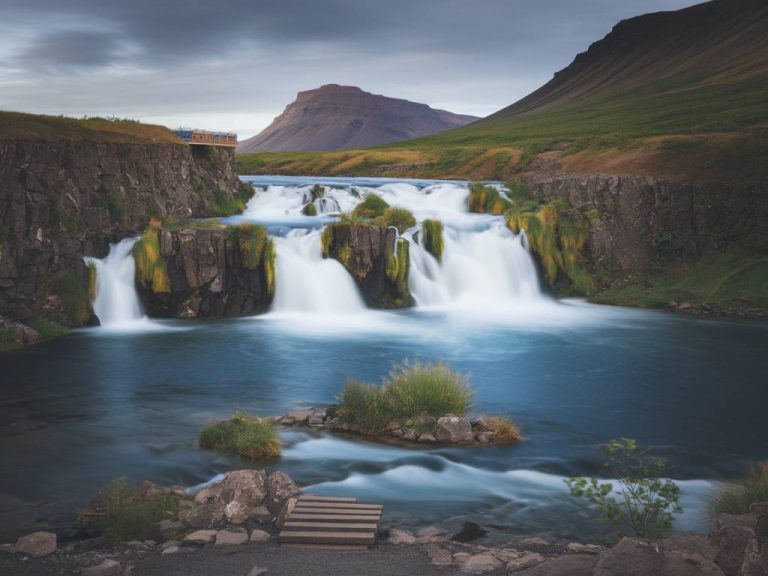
x=308 y=283
x=116 y=303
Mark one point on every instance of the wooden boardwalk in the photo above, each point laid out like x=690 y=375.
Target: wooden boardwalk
x=328 y=522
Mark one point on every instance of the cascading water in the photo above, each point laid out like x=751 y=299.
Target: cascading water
x=116 y=303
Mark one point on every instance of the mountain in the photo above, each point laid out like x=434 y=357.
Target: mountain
x=333 y=117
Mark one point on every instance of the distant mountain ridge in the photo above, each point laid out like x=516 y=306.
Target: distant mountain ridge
x=333 y=117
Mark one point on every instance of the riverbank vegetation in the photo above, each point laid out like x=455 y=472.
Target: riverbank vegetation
x=247 y=436
x=737 y=497
x=410 y=391
x=432 y=238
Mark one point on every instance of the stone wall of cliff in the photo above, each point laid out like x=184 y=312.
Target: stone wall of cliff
x=62 y=200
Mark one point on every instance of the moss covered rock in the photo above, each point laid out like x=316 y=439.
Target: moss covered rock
x=432 y=238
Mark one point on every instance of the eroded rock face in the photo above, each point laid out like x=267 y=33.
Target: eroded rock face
x=375 y=258
x=235 y=499
x=60 y=201
x=208 y=275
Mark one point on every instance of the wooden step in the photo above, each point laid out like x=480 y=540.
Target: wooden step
x=309 y=537
x=329 y=526
x=349 y=511
x=333 y=518
x=312 y=498
x=339 y=505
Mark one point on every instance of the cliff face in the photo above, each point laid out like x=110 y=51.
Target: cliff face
x=376 y=259
x=62 y=200
x=333 y=117
x=201 y=272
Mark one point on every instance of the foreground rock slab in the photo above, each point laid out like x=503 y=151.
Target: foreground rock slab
x=37 y=544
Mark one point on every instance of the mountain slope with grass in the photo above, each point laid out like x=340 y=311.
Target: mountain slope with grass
x=333 y=117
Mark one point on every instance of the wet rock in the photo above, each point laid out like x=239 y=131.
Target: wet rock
x=524 y=562
x=280 y=487
x=427 y=438
x=469 y=532
x=260 y=536
x=137 y=546
x=201 y=537
x=481 y=563
x=431 y=534
x=106 y=568
x=439 y=556
x=572 y=565
x=411 y=435
x=453 y=430
x=630 y=557
x=37 y=544
x=229 y=538
x=170 y=550
x=485 y=437
x=577 y=548
x=297 y=417
x=397 y=536
x=22 y=334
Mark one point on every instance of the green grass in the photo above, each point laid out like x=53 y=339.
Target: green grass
x=484 y=199
x=224 y=204
x=432 y=238
x=125 y=514
x=371 y=207
x=244 y=435
x=736 y=497
x=48 y=329
x=151 y=267
x=411 y=390
x=400 y=218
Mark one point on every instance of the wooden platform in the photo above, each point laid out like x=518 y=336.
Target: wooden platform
x=328 y=522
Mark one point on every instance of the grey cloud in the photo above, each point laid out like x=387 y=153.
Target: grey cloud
x=71 y=49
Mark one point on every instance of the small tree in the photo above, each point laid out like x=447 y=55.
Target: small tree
x=644 y=501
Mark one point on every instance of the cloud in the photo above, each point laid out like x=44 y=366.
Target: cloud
x=66 y=49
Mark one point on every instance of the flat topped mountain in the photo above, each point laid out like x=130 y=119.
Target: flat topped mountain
x=333 y=117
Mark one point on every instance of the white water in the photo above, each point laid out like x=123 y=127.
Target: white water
x=485 y=267
x=116 y=303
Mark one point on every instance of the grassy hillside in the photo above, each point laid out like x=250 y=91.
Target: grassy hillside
x=19 y=126
x=675 y=94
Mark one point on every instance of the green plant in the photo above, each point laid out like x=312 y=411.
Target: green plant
x=151 y=268
x=411 y=390
x=244 y=435
x=317 y=191
x=400 y=218
x=505 y=431
x=644 y=501
x=485 y=199
x=736 y=497
x=371 y=207
x=432 y=238
x=8 y=339
x=48 y=329
x=309 y=209
x=125 y=513
x=253 y=244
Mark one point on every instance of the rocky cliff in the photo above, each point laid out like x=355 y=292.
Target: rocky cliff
x=376 y=259
x=333 y=117
x=205 y=272
x=62 y=199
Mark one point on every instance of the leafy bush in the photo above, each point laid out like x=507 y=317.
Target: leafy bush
x=736 y=498
x=400 y=218
x=432 y=238
x=244 y=435
x=484 y=199
x=372 y=207
x=644 y=501
x=124 y=513
x=410 y=391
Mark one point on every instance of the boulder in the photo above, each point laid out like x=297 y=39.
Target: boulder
x=469 y=532
x=691 y=543
x=170 y=550
x=397 y=536
x=570 y=565
x=285 y=511
x=630 y=557
x=453 y=430
x=37 y=544
x=732 y=541
x=427 y=438
x=106 y=568
x=243 y=491
x=679 y=563
x=204 y=515
x=411 y=435
x=260 y=536
x=280 y=487
x=533 y=542
x=524 y=562
x=481 y=563
x=169 y=528
x=229 y=538
x=201 y=537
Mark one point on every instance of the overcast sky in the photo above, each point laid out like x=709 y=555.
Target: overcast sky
x=235 y=64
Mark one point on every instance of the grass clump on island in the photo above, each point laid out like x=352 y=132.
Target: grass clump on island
x=247 y=436
x=737 y=497
x=122 y=513
x=411 y=390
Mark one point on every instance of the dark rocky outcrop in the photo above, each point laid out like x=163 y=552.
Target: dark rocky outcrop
x=375 y=257
x=205 y=272
x=333 y=117
x=62 y=200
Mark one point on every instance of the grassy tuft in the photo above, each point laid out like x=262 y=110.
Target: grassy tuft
x=244 y=435
x=505 y=431
x=372 y=207
x=410 y=391
x=151 y=268
x=432 y=237
x=484 y=199
x=400 y=218
x=252 y=241
x=736 y=498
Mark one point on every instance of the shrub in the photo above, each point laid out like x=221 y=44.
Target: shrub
x=125 y=514
x=484 y=199
x=505 y=430
x=409 y=391
x=317 y=191
x=400 y=218
x=644 y=501
x=244 y=435
x=309 y=209
x=151 y=269
x=737 y=497
x=432 y=238
x=372 y=207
